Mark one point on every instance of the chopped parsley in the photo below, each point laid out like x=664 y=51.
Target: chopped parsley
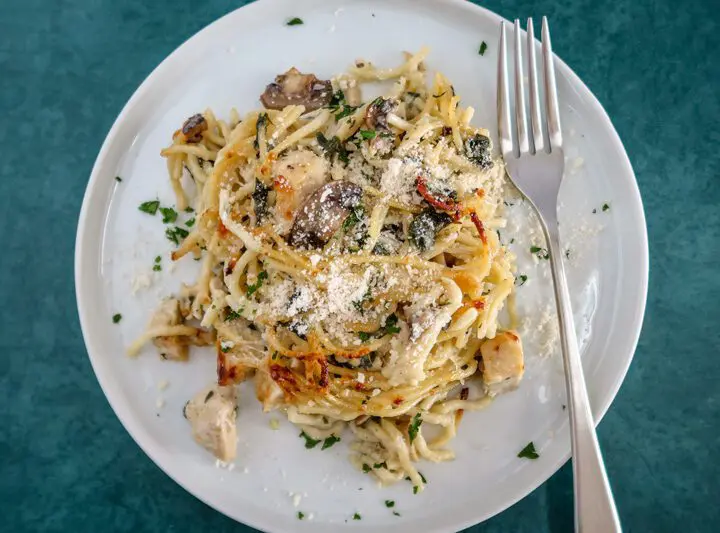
x=390 y=326
x=117 y=318
x=541 y=253
x=262 y=276
x=295 y=21
x=368 y=134
x=528 y=452
x=169 y=215
x=189 y=209
x=364 y=336
x=346 y=111
x=310 y=443
x=366 y=468
x=332 y=147
x=354 y=217
x=157 y=268
x=300 y=515
x=414 y=427
x=606 y=207
x=158 y=259
x=176 y=234
x=150 y=207
x=389 y=503
x=483 y=48
x=118 y=178
x=522 y=278
x=415 y=489
x=380 y=465
x=190 y=223
x=330 y=441
x=224 y=348
x=356 y=516
x=423 y=478
x=232 y=314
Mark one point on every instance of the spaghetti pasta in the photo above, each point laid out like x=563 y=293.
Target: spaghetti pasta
x=349 y=260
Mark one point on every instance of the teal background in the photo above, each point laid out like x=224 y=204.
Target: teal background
x=66 y=69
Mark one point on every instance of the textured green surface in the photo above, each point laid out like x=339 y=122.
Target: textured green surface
x=66 y=69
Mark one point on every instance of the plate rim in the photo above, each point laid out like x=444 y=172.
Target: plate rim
x=135 y=429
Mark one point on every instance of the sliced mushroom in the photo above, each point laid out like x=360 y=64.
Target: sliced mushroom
x=296 y=88
x=212 y=416
x=298 y=174
x=502 y=362
x=323 y=213
x=377 y=112
x=193 y=127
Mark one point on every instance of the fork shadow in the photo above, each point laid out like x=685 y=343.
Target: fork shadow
x=559 y=500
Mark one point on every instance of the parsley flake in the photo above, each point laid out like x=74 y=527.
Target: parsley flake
x=522 y=278
x=415 y=489
x=364 y=336
x=606 y=207
x=262 y=276
x=190 y=223
x=118 y=178
x=300 y=515
x=158 y=259
x=528 y=452
x=149 y=207
x=117 y=318
x=366 y=468
x=232 y=314
x=389 y=503
x=483 y=48
x=541 y=253
x=380 y=465
x=157 y=268
x=330 y=441
x=189 y=209
x=295 y=21
x=368 y=134
x=169 y=215
x=356 y=516
x=310 y=443
x=414 y=427
x=176 y=234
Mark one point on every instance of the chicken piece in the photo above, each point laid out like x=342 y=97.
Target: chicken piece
x=268 y=393
x=298 y=175
x=502 y=362
x=175 y=347
x=212 y=415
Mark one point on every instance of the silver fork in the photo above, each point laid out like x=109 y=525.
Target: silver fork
x=535 y=165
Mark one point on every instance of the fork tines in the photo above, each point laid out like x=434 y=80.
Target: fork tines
x=534 y=140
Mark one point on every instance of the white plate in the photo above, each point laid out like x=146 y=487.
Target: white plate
x=228 y=64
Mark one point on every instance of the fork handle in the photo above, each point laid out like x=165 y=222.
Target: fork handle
x=595 y=510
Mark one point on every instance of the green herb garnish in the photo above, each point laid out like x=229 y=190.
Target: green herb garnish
x=169 y=215
x=423 y=478
x=380 y=465
x=483 y=48
x=295 y=21
x=606 y=207
x=390 y=326
x=414 y=427
x=117 y=318
x=541 y=253
x=150 y=207
x=528 y=452
x=157 y=268
x=158 y=259
x=118 y=178
x=176 y=234
x=189 y=209
x=368 y=134
x=366 y=468
x=190 y=223
x=389 y=503
x=523 y=278
x=231 y=314
x=415 y=489
x=300 y=515
x=364 y=336
x=310 y=443
x=262 y=276
x=356 y=516
x=330 y=441
x=332 y=147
